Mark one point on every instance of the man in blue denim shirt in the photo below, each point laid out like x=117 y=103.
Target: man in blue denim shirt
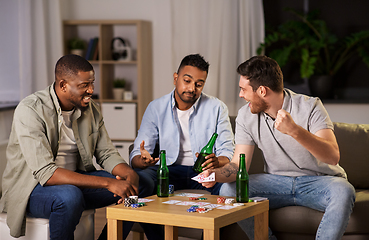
x=182 y=122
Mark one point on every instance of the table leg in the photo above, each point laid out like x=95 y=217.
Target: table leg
x=261 y=226
x=211 y=234
x=170 y=232
x=115 y=229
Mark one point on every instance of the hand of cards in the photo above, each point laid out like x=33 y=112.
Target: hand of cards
x=201 y=178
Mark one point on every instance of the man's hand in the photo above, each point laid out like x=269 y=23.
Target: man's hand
x=206 y=173
x=211 y=162
x=133 y=186
x=146 y=158
x=284 y=123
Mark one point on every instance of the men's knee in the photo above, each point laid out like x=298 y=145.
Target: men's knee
x=228 y=189
x=70 y=197
x=344 y=192
x=146 y=184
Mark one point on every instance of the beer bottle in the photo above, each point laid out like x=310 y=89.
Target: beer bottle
x=242 y=182
x=163 y=177
x=208 y=149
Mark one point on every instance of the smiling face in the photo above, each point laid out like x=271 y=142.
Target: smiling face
x=189 y=83
x=77 y=90
x=256 y=103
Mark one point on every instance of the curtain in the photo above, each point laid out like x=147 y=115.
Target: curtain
x=40 y=43
x=225 y=32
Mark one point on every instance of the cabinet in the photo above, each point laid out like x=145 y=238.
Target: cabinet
x=122 y=118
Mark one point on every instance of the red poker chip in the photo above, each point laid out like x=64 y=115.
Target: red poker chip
x=221 y=199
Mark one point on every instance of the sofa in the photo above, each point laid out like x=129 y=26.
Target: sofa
x=295 y=222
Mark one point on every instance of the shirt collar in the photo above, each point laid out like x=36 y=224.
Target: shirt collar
x=54 y=97
x=286 y=102
x=287 y=105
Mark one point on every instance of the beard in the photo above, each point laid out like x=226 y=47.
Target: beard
x=184 y=96
x=78 y=102
x=258 y=106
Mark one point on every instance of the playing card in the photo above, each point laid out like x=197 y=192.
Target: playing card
x=200 y=178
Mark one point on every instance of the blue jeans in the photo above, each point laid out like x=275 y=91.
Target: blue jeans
x=334 y=196
x=63 y=205
x=179 y=176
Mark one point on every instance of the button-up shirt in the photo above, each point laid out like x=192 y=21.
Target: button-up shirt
x=33 y=146
x=160 y=124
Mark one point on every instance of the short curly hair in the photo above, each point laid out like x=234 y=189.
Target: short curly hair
x=70 y=65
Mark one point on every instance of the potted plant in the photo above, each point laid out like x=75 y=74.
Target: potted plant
x=319 y=53
x=118 y=88
x=77 y=46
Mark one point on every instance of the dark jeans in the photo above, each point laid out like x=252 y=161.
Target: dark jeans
x=179 y=176
x=63 y=206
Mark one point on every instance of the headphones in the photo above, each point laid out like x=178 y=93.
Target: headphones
x=120 y=49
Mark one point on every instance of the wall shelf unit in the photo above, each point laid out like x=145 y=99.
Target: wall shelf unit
x=137 y=71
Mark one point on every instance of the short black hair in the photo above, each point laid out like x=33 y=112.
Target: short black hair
x=70 y=65
x=195 y=60
x=262 y=71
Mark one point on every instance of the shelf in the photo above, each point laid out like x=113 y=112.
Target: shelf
x=137 y=71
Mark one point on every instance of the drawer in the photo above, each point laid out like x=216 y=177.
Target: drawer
x=120 y=120
x=123 y=149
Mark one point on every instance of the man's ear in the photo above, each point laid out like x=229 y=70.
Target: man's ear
x=62 y=85
x=262 y=90
x=175 y=78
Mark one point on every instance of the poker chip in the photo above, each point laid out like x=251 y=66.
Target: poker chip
x=128 y=202
x=191 y=210
x=202 y=210
x=221 y=199
x=229 y=201
x=134 y=199
x=193 y=198
x=202 y=198
x=142 y=204
x=135 y=205
x=171 y=189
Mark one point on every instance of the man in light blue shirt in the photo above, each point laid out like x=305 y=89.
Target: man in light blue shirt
x=182 y=122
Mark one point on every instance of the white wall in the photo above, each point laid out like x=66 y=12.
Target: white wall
x=158 y=12
x=348 y=112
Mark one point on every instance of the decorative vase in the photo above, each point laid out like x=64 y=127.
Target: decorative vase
x=321 y=86
x=118 y=93
x=78 y=52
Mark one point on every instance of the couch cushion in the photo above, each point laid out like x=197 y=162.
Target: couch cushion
x=353 y=141
x=303 y=220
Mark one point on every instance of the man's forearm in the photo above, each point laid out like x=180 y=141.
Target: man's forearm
x=223 y=161
x=227 y=173
x=63 y=176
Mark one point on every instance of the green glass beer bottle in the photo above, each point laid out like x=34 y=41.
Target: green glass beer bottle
x=163 y=176
x=208 y=149
x=242 y=182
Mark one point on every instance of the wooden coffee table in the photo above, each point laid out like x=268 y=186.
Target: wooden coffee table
x=173 y=216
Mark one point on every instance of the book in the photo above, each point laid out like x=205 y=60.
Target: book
x=96 y=50
x=89 y=48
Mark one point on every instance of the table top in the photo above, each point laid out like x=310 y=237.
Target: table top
x=176 y=215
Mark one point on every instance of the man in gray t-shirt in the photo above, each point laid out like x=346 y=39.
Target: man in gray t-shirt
x=300 y=150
